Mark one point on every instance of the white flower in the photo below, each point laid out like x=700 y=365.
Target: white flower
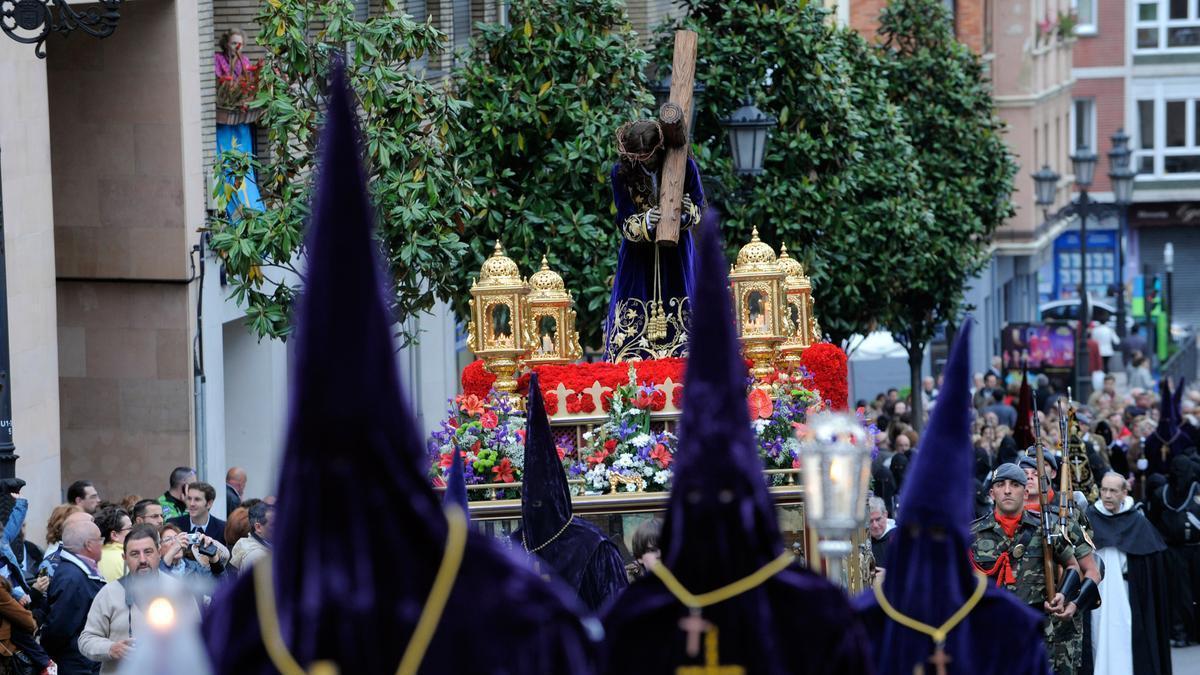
x=647 y=470
x=641 y=440
x=759 y=425
x=516 y=454
x=661 y=477
x=630 y=487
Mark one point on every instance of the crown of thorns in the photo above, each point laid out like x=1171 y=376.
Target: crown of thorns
x=638 y=156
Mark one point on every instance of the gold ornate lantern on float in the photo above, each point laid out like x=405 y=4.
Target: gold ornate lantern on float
x=498 y=332
x=757 y=283
x=551 y=319
x=798 y=311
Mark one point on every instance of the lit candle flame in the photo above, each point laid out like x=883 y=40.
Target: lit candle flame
x=161 y=614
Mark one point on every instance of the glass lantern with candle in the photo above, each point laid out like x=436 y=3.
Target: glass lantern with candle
x=498 y=330
x=551 y=319
x=835 y=461
x=757 y=282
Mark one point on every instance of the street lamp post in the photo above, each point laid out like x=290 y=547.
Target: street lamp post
x=8 y=456
x=1121 y=176
x=1084 y=163
x=662 y=95
x=748 y=129
x=1169 y=264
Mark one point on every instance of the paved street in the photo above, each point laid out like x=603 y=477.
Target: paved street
x=1187 y=660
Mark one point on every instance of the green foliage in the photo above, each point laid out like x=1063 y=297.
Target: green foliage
x=841 y=187
x=409 y=127
x=967 y=172
x=546 y=95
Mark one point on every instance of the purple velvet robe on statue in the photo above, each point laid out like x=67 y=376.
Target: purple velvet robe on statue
x=929 y=575
x=360 y=534
x=721 y=527
x=635 y=262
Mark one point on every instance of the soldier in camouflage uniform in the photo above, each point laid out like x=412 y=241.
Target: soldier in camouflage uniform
x=1066 y=644
x=1007 y=546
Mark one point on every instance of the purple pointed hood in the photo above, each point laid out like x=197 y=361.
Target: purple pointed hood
x=720 y=523
x=351 y=472
x=938 y=487
x=545 y=494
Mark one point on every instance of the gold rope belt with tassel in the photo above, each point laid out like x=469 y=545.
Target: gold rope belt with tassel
x=747 y=583
x=431 y=613
x=937 y=634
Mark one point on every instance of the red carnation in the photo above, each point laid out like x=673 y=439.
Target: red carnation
x=551 y=400
x=610 y=445
x=658 y=400
x=828 y=366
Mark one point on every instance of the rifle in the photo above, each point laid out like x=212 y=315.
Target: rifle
x=1047 y=533
x=1066 y=505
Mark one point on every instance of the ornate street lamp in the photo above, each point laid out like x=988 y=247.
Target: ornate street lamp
x=1045 y=186
x=1121 y=176
x=1084 y=165
x=662 y=95
x=31 y=21
x=835 y=458
x=748 y=129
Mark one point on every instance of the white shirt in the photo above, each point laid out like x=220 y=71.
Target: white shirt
x=1106 y=339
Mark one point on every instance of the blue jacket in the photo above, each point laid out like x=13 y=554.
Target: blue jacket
x=74 y=586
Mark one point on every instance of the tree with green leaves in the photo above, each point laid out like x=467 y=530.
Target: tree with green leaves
x=546 y=94
x=423 y=195
x=967 y=170
x=841 y=185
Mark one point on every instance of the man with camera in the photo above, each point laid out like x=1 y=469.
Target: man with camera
x=117 y=616
x=200 y=497
x=184 y=554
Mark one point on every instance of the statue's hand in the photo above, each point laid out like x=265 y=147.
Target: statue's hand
x=652 y=218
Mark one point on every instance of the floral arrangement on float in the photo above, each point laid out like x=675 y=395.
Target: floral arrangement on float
x=777 y=411
x=629 y=447
x=629 y=452
x=490 y=432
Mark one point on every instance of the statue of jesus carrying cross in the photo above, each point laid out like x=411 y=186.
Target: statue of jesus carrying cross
x=659 y=197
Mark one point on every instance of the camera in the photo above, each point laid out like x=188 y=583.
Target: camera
x=197 y=539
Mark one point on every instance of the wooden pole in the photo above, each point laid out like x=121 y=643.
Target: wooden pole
x=674 y=170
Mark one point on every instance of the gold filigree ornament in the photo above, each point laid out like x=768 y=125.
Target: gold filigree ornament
x=498 y=331
x=551 y=319
x=757 y=281
x=630 y=337
x=615 y=479
x=799 y=321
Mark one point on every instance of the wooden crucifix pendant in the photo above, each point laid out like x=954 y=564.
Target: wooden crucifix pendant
x=694 y=625
x=939 y=659
x=712 y=658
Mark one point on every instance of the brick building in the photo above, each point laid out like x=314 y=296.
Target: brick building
x=1030 y=64
x=1137 y=67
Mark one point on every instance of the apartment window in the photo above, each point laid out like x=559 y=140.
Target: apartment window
x=461 y=27
x=502 y=10
x=1168 y=128
x=1083 y=123
x=1085 y=13
x=1167 y=25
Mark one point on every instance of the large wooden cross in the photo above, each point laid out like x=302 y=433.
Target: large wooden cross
x=674 y=117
